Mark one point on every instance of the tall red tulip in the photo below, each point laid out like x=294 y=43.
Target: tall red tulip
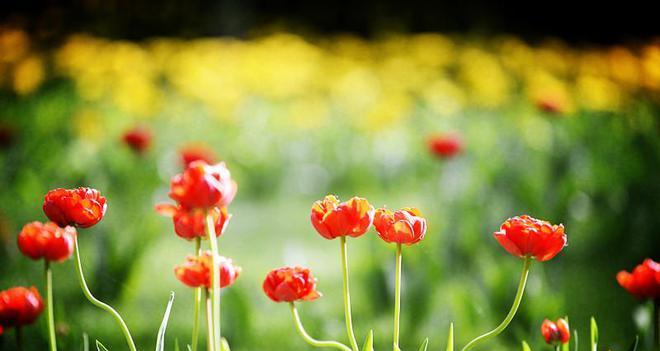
x=526 y=236
x=643 y=282
x=80 y=207
x=445 y=145
x=333 y=219
x=203 y=186
x=288 y=284
x=191 y=223
x=19 y=306
x=404 y=226
x=556 y=333
x=196 y=271
x=46 y=240
x=138 y=139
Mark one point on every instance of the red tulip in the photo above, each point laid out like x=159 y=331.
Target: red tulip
x=202 y=186
x=288 y=284
x=191 y=223
x=445 y=145
x=643 y=282
x=19 y=306
x=196 y=271
x=333 y=219
x=404 y=226
x=81 y=207
x=48 y=241
x=550 y=104
x=196 y=152
x=138 y=139
x=555 y=333
x=526 y=236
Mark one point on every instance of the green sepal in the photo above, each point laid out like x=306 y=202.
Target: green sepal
x=594 y=334
x=369 y=342
x=450 y=338
x=424 y=345
x=100 y=347
x=525 y=346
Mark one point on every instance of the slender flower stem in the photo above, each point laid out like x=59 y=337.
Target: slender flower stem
x=99 y=304
x=209 y=321
x=19 y=338
x=215 y=279
x=514 y=308
x=397 y=296
x=347 y=295
x=309 y=339
x=656 y=324
x=197 y=302
x=52 y=340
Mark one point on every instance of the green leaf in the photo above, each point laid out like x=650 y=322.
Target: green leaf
x=85 y=342
x=100 y=347
x=424 y=345
x=369 y=342
x=575 y=340
x=224 y=346
x=450 y=338
x=176 y=344
x=396 y=348
x=525 y=346
x=160 y=341
x=633 y=346
x=594 y=334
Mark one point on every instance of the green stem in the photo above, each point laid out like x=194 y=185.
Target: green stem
x=656 y=324
x=514 y=308
x=347 y=295
x=99 y=304
x=397 y=296
x=48 y=272
x=215 y=279
x=309 y=339
x=209 y=321
x=19 y=338
x=197 y=302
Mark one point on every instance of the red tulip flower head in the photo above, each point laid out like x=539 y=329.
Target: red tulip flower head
x=138 y=139
x=80 y=207
x=643 y=282
x=203 y=186
x=445 y=145
x=196 y=271
x=191 y=223
x=333 y=219
x=289 y=284
x=555 y=333
x=526 y=236
x=46 y=240
x=196 y=152
x=404 y=226
x=19 y=306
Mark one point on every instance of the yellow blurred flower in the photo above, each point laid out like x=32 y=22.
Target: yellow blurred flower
x=28 y=75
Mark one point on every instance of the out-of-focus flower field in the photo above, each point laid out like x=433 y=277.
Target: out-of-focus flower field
x=564 y=133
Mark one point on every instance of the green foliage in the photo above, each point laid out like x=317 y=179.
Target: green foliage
x=160 y=343
x=425 y=345
x=594 y=334
x=450 y=338
x=525 y=346
x=369 y=342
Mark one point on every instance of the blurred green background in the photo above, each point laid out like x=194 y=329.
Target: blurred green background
x=298 y=117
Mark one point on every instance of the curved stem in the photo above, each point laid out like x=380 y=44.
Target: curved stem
x=347 y=295
x=99 y=304
x=309 y=339
x=397 y=296
x=209 y=321
x=514 y=308
x=215 y=279
x=52 y=340
x=197 y=303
